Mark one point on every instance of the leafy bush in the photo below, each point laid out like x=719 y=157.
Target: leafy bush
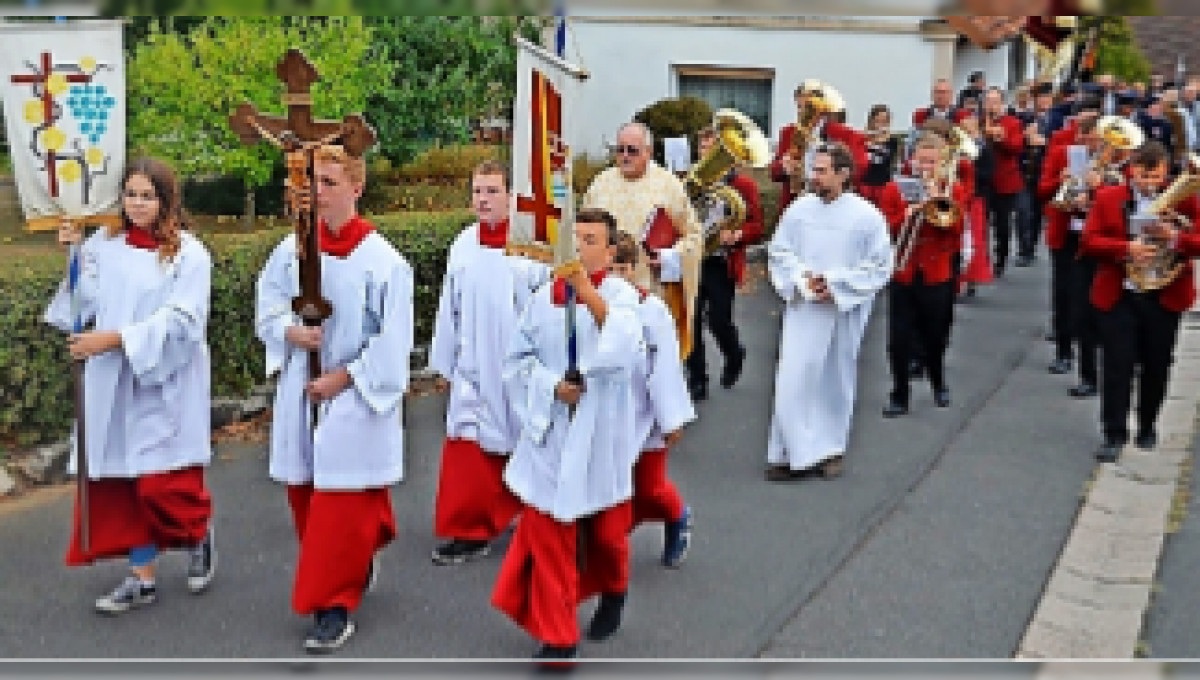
x=678 y=117
x=35 y=398
x=450 y=164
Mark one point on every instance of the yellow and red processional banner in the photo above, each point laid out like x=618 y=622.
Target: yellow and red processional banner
x=63 y=91
x=543 y=138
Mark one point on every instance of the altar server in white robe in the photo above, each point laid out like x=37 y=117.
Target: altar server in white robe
x=664 y=407
x=829 y=257
x=571 y=466
x=483 y=292
x=337 y=474
x=144 y=289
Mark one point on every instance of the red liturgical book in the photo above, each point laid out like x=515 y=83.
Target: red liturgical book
x=658 y=232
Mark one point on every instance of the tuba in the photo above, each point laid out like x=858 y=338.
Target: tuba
x=1116 y=134
x=820 y=99
x=719 y=206
x=1165 y=266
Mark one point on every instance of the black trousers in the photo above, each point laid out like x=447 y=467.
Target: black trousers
x=1001 y=209
x=714 y=307
x=1137 y=330
x=929 y=309
x=1073 y=315
x=1029 y=228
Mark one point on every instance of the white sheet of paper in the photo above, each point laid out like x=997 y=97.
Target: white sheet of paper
x=1077 y=160
x=677 y=153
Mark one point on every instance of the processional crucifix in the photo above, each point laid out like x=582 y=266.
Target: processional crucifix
x=299 y=135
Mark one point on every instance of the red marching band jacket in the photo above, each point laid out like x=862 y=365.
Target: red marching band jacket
x=1058 y=223
x=833 y=132
x=934 y=248
x=752 y=228
x=1105 y=237
x=1006 y=178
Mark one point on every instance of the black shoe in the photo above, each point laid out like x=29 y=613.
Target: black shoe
x=894 y=409
x=733 y=368
x=556 y=658
x=1083 y=390
x=1024 y=261
x=1109 y=451
x=830 y=468
x=698 y=391
x=784 y=473
x=202 y=564
x=330 y=631
x=607 y=618
x=1051 y=337
x=459 y=551
x=941 y=397
x=1061 y=366
x=998 y=271
x=1146 y=440
x=677 y=537
x=970 y=290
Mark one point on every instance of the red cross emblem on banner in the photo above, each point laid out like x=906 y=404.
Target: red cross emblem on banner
x=547 y=154
x=41 y=80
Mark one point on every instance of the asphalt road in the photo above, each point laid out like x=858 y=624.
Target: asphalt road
x=935 y=542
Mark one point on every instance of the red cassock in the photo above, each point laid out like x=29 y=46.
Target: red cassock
x=1105 y=237
x=473 y=503
x=935 y=247
x=655 y=498
x=833 y=132
x=540 y=582
x=339 y=532
x=1006 y=178
x=167 y=509
x=752 y=229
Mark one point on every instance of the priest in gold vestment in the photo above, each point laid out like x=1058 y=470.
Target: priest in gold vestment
x=631 y=191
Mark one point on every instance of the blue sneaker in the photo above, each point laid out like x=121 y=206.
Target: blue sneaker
x=678 y=538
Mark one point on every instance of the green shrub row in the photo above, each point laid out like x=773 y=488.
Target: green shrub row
x=35 y=399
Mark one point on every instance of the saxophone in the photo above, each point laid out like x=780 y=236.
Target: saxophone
x=1166 y=264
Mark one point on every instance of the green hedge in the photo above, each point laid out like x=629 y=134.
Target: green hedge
x=35 y=400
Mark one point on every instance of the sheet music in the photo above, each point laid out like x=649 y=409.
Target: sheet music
x=677 y=154
x=1077 y=160
x=912 y=189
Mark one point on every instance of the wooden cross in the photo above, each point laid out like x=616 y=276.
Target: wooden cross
x=42 y=79
x=299 y=135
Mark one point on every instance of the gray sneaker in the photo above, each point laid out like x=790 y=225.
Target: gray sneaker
x=130 y=593
x=202 y=564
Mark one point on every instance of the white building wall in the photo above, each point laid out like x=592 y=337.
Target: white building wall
x=632 y=65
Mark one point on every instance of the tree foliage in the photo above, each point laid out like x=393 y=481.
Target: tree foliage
x=182 y=87
x=1117 y=52
x=450 y=72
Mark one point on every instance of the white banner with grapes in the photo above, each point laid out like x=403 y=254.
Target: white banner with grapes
x=63 y=89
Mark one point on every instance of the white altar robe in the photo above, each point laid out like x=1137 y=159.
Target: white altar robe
x=359 y=439
x=573 y=467
x=847 y=242
x=147 y=405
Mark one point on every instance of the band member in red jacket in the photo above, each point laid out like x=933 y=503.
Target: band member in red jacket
x=921 y=294
x=1002 y=133
x=787 y=164
x=1073 y=319
x=720 y=274
x=1137 y=328
x=942 y=107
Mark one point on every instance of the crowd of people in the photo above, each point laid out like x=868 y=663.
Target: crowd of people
x=564 y=437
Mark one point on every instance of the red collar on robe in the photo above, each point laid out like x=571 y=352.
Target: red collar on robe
x=347 y=239
x=493 y=235
x=140 y=238
x=560 y=286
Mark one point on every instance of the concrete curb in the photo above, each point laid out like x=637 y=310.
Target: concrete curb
x=48 y=463
x=1097 y=596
